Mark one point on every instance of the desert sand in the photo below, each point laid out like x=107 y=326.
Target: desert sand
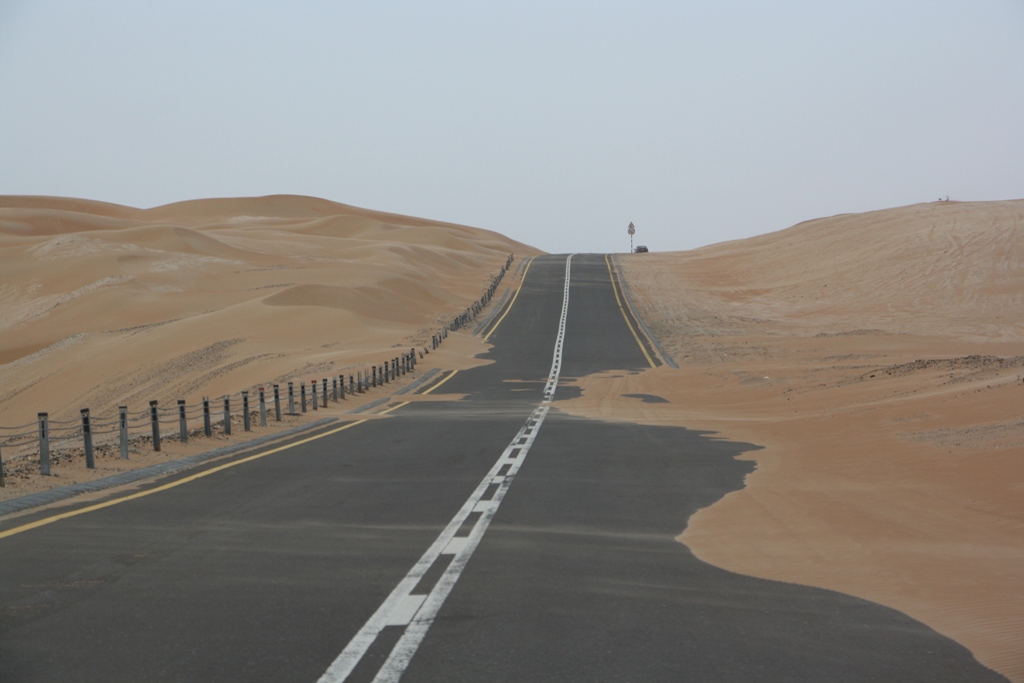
x=104 y=305
x=878 y=358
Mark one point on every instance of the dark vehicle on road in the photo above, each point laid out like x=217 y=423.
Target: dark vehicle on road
x=641 y=249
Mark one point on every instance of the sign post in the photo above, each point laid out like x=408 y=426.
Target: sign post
x=632 y=231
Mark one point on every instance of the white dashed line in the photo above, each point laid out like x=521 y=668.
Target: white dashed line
x=415 y=611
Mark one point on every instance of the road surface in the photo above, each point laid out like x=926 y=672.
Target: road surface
x=489 y=537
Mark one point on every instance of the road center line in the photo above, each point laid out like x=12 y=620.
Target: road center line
x=417 y=612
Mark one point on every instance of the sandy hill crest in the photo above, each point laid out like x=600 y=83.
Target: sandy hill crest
x=902 y=270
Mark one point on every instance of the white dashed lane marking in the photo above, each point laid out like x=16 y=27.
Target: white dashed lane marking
x=417 y=611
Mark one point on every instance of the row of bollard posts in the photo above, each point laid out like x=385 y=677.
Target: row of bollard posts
x=359 y=382
x=154 y=418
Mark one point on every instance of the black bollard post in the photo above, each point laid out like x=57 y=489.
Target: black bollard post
x=122 y=427
x=277 y=402
x=374 y=376
x=302 y=391
x=263 y=409
x=246 y=418
x=341 y=392
x=207 y=422
x=334 y=388
x=154 y=419
x=291 y=398
x=313 y=388
x=227 y=415
x=182 y=424
x=44 y=444
x=90 y=461
x=325 y=392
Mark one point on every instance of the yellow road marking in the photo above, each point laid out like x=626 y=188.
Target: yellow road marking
x=184 y=480
x=625 y=317
x=514 y=297
x=385 y=412
x=438 y=384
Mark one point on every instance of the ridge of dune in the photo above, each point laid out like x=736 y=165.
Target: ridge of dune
x=879 y=360
x=102 y=304
x=903 y=268
x=67 y=204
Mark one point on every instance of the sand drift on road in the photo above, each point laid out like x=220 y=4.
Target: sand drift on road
x=879 y=357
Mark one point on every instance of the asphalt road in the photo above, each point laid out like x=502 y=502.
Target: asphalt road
x=487 y=538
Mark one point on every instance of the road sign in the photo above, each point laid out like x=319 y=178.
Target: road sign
x=631 y=230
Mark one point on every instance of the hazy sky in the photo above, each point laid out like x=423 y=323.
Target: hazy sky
x=556 y=123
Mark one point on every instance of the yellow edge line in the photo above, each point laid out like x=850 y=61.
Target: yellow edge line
x=625 y=317
x=385 y=412
x=199 y=475
x=179 y=482
x=436 y=385
x=510 y=303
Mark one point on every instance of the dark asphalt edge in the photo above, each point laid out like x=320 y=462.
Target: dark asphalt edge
x=404 y=390
x=64 y=492
x=522 y=264
x=501 y=304
x=413 y=386
x=632 y=310
x=488 y=319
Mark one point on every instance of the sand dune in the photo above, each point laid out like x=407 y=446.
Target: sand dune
x=103 y=304
x=879 y=358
